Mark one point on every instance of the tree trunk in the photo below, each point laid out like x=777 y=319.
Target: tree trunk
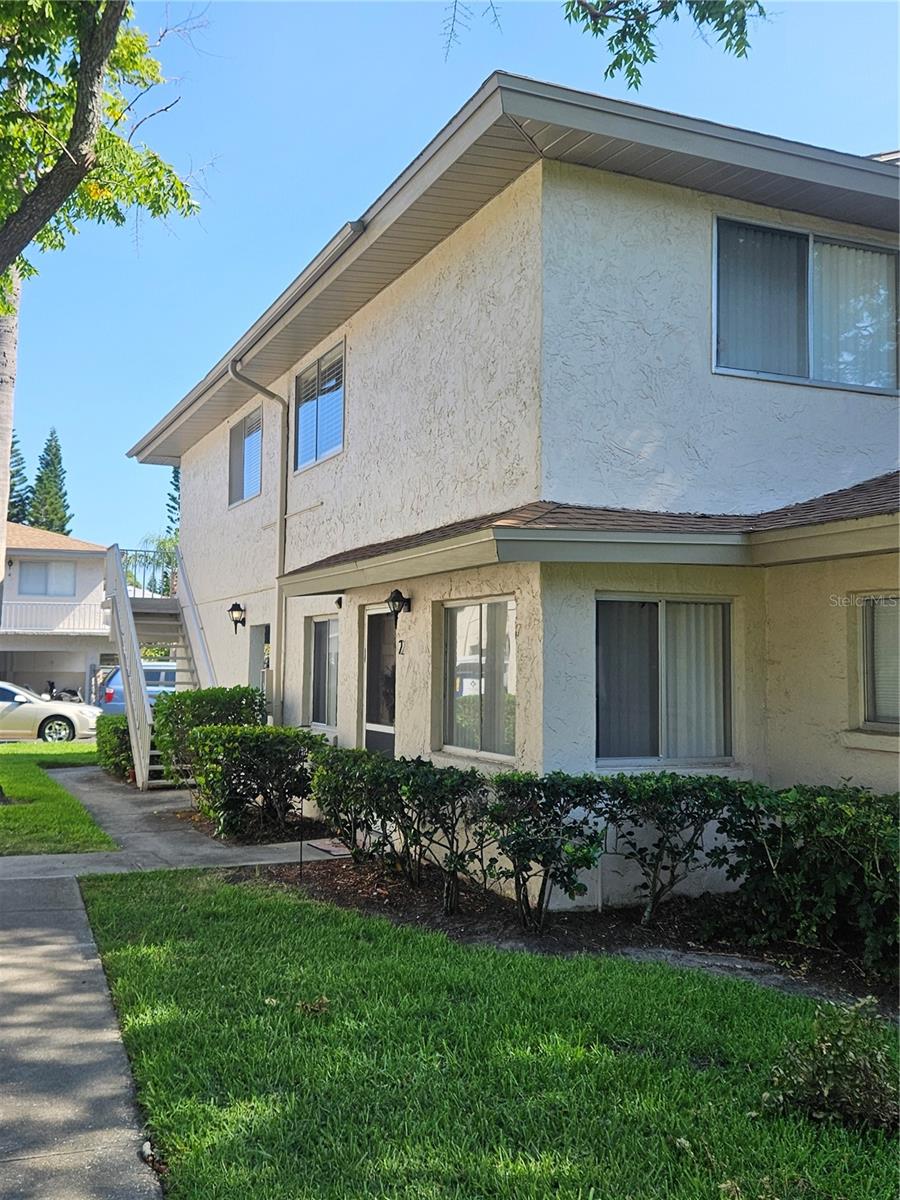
x=9 y=344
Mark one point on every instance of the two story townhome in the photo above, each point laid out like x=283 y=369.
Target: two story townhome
x=576 y=451
x=52 y=623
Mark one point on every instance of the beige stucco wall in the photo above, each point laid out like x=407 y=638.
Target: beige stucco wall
x=813 y=667
x=633 y=415
x=419 y=665
x=230 y=551
x=441 y=391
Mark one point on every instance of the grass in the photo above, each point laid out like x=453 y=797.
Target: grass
x=43 y=817
x=436 y=1071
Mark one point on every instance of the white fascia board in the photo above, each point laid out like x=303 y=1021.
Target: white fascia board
x=837 y=539
x=44 y=553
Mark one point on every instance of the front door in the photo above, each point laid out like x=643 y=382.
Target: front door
x=380 y=681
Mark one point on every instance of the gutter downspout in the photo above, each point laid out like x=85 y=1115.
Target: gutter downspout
x=234 y=371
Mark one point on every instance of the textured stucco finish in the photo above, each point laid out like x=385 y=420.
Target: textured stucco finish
x=813 y=672
x=442 y=391
x=229 y=552
x=633 y=415
x=419 y=666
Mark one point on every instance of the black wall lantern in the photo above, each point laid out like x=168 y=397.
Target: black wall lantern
x=238 y=615
x=398 y=603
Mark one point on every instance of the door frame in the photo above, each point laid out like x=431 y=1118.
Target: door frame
x=373 y=610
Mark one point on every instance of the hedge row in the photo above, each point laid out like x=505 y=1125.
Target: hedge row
x=114 y=747
x=817 y=865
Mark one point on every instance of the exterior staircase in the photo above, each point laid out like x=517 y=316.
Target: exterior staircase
x=150 y=603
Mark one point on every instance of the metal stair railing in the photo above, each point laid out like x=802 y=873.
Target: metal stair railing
x=193 y=627
x=137 y=701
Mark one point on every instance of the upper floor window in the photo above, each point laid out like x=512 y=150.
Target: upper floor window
x=480 y=676
x=245 y=458
x=319 y=409
x=663 y=679
x=46 y=578
x=799 y=306
x=881 y=661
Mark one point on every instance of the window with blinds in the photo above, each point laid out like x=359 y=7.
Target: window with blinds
x=663 y=679
x=324 y=672
x=245 y=458
x=798 y=306
x=319 y=409
x=46 y=578
x=881 y=629
x=480 y=676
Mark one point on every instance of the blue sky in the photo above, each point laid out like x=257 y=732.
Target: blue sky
x=299 y=115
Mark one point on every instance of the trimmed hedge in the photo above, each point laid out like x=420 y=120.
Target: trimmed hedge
x=249 y=777
x=817 y=865
x=176 y=714
x=114 y=747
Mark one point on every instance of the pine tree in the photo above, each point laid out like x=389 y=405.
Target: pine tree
x=19 y=487
x=173 y=503
x=48 y=507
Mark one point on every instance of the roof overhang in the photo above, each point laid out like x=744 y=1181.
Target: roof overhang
x=499 y=544
x=51 y=552
x=506 y=127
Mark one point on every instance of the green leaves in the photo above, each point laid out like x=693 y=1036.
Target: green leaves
x=175 y=714
x=114 y=746
x=629 y=27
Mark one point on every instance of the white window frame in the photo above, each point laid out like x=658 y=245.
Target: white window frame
x=800 y=380
x=662 y=759
x=320 y=458
x=866 y=680
x=242 y=424
x=46 y=563
x=320 y=619
x=448 y=747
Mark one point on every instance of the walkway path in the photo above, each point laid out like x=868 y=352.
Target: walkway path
x=69 y=1127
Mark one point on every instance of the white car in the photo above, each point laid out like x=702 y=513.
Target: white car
x=25 y=716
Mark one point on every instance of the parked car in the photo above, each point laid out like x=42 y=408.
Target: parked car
x=24 y=715
x=159 y=677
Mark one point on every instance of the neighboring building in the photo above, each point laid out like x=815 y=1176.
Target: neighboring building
x=52 y=623
x=568 y=328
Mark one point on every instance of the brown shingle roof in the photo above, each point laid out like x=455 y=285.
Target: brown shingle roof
x=873 y=497
x=24 y=537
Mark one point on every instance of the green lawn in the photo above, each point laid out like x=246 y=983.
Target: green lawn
x=43 y=817
x=438 y=1070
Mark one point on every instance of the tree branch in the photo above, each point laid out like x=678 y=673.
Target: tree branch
x=97 y=33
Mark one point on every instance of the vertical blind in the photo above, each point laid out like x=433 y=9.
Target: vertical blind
x=319 y=393
x=480 y=676
x=765 y=321
x=883 y=659
x=663 y=679
x=762 y=321
x=854 y=318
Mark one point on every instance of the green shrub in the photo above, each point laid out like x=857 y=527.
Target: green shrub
x=114 y=747
x=344 y=789
x=453 y=804
x=843 y=1073
x=546 y=832
x=659 y=821
x=249 y=777
x=818 y=865
x=175 y=714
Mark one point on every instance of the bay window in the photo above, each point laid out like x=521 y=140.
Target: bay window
x=480 y=676
x=663 y=679
x=803 y=307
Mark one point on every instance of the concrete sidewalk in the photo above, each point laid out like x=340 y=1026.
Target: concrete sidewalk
x=69 y=1127
x=150 y=835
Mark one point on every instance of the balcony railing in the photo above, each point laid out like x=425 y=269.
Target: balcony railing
x=51 y=616
x=151 y=574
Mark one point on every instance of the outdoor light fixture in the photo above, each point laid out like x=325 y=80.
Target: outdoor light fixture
x=238 y=615
x=398 y=603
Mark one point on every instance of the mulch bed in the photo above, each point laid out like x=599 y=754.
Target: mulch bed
x=298 y=830
x=485 y=918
